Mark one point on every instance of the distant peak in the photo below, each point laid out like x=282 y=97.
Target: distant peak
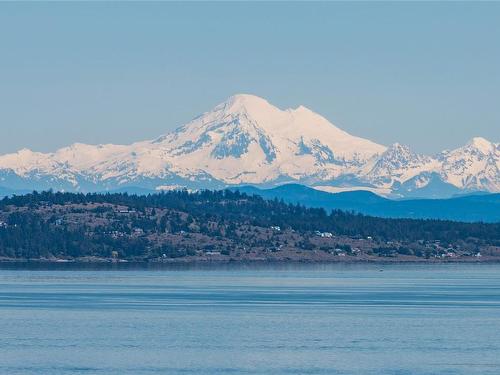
x=246 y=100
x=481 y=144
x=239 y=97
x=398 y=147
x=255 y=107
x=25 y=151
x=301 y=108
x=479 y=141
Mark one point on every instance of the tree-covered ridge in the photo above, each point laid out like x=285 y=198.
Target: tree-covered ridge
x=180 y=223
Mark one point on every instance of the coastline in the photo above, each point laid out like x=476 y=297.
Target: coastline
x=107 y=262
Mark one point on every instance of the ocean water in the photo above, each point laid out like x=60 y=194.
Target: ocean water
x=325 y=319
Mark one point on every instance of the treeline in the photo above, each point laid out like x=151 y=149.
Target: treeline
x=233 y=206
x=28 y=234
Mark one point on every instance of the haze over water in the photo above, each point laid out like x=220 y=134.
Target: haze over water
x=325 y=319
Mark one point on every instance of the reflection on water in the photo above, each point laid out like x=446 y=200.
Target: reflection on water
x=242 y=319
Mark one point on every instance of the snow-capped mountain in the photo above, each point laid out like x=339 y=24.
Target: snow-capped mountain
x=397 y=163
x=475 y=166
x=246 y=140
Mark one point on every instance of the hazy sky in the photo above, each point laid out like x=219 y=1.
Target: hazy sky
x=426 y=74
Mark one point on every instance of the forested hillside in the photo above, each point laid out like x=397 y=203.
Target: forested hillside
x=221 y=225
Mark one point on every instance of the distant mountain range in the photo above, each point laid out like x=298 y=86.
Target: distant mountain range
x=247 y=141
x=468 y=208
x=477 y=207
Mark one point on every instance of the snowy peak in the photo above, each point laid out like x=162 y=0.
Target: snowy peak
x=245 y=103
x=398 y=156
x=398 y=163
x=476 y=149
x=26 y=160
x=475 y=166
x=267 y=116
x=247 y=140
x=481 y=144
x=243 y=108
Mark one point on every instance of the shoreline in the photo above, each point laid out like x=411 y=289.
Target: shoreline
x=106 y=262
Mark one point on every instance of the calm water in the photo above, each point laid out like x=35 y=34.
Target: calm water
x=297 y=320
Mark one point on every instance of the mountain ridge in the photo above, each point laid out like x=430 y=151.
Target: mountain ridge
x=469 y=208
x=247 y=140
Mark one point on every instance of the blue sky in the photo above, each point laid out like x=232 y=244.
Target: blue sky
x=423 y=74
